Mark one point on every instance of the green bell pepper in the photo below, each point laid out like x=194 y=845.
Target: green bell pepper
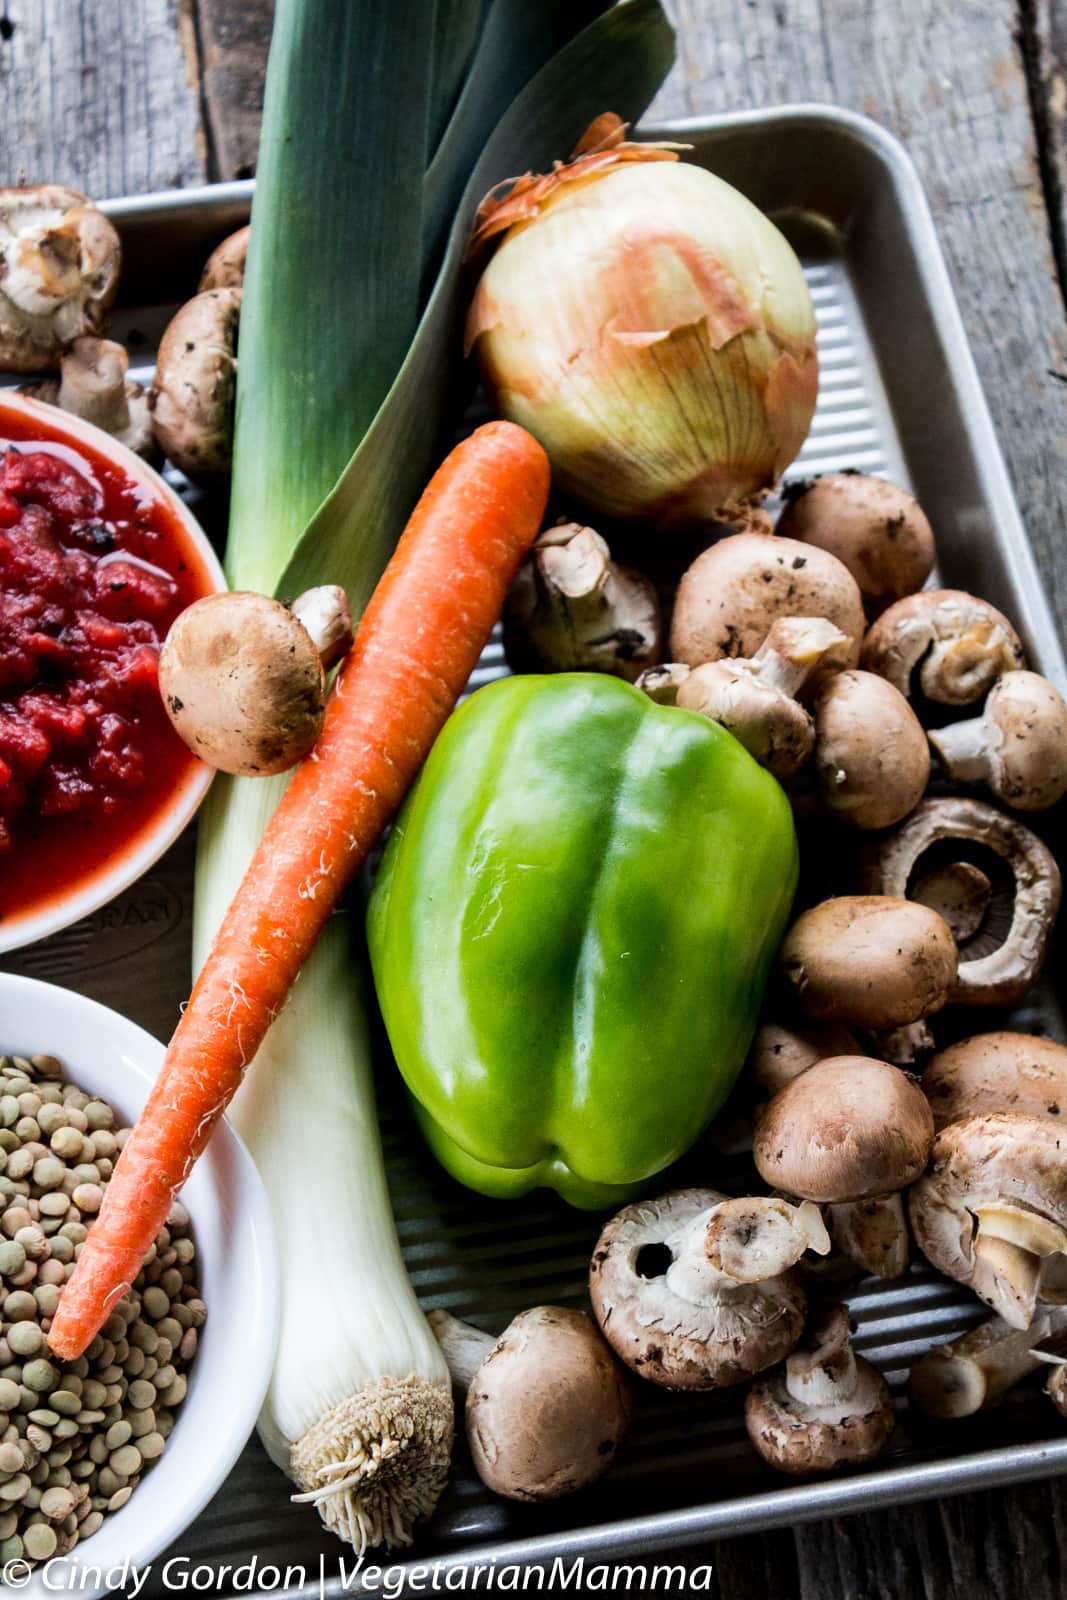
x=571 y=932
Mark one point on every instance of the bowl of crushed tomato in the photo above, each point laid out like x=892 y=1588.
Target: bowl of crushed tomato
x=97 y=558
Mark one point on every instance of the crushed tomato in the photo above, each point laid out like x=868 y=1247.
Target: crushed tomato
x=93 y=570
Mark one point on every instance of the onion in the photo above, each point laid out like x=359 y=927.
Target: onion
x=650 y=327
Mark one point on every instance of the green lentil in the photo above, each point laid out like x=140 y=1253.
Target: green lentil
x=25 y=1338
x=141 y=1394
x=45 y=1416
x=19 y=1306
x=66 y=1402
x=39 y=1541
x=12 y=1257
x=40 y=1376
x=155 y=1302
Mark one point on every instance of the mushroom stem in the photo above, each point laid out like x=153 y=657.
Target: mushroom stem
x=463 y=1347
x=904 y=1046
x=960 y=892
x=751 y=1240
x=826 y=1373
x=1007 y=1278
x=963 y=749
x=325 y=613
x=796 y=648
x=872 y=1233
x=662 y=683
x=966 y=1375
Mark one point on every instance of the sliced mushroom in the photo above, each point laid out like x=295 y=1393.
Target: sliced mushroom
x=1001 y=961
x=92 y=384
x=693 y=1291
x=1017 y=747
x=736 y=590
x=964 y=1376
x=59 y=273
x=244 y=681
x=850 y=1128
x=958 y=644
x=992 y=1210
x=547 y=1403
x=992 y=1072
x=873 y=961
x=871 y=755
x=826 y=1408
x=193 y=392
x=755 y=699
x=572 y=608
x=878 y=530
x=225 y=266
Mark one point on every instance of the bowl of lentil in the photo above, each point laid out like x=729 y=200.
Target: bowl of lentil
x=119 y=1451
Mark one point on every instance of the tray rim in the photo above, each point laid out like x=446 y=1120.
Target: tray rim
x=646 y=1536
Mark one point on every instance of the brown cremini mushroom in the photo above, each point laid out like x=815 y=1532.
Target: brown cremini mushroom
x=826 y=1408
x=957 y=644
x=59 y=273
x=244 y=681
x=663 y=682
x=1017 y=747
x=547 y=1404
x=850 y=1128
x=964 y=1376
x=779 y=1053
x=1000 y=961
x=992 y=1211
x=572 y=608
x=755 y=699
x=694 y=1291
x=92 y=384
x=871 y=755
x=997 y=1072
x=225 y=266
x=195 y=385
x=878 y=530
x=736 y=590
x=872 y=961
x=872 y=1233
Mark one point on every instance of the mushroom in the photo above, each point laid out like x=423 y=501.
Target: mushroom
x=871 y=757
x=966 y=1375
x=779 y=1053
x=92 y=384
x=826 y=1408
x=1051 y=1350
x=754 y=699
x=1000 y=961
x=572 y=608
x=850 y=1128
x=225 y=266
x=906 y=1046
x=663 y=682
x=878 y=530
x=193 y=392
x=872 y=1233
x=959 y=644
x=1017 y=747
x=736 y=590
x=992 y=1210
x=547 y=1403
x=875 y=961
x=693 y=1291
x=59 y=273
x=244 y=681
x=997 y=1072
x=960 y=892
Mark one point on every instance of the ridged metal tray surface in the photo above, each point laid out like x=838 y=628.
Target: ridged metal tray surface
x=898 y=396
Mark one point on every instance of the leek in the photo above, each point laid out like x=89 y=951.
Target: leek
x=369 y=136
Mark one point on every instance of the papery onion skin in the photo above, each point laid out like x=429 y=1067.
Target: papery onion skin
x=654 y=331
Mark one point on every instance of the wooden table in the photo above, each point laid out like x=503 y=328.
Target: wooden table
x=133 y=95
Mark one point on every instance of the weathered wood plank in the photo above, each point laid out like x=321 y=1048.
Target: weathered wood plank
x=1043 y=33
x=102 y=97
x=233 y=38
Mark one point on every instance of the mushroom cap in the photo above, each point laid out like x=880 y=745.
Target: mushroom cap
x=1006 y=1161
x=1025 y=727
x=195 y=384
x=59 y=273
x=1000 y=1071
x=225 y=266
x=243 y=683
x=877 y=529
x=779 y=1053
x=872 y=1233
x=1056 y=1388
x=548 y=1407
x=960 y=645
x=876 y=961
x=871 y=755
x=671 y=1340
x=851 y=1423
x=736 y=589
x=773 y=727
x=847 y=1129
x=990 y=973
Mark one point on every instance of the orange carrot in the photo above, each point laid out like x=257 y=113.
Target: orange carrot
x=417 y=644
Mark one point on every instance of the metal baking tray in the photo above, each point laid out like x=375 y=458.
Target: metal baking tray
x=899 y=396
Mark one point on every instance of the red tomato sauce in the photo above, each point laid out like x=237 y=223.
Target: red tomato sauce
x=93 y=570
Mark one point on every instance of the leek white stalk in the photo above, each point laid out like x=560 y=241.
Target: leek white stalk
x=359 y=1410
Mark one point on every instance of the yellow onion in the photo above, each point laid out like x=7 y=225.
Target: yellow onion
x=650 y=327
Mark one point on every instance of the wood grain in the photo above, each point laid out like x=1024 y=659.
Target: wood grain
x=233 y=37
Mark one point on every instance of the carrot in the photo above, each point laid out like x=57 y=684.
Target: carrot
x=417 y=644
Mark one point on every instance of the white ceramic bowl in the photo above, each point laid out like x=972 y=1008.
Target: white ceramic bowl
x=108 y=1056
x=96 y=891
